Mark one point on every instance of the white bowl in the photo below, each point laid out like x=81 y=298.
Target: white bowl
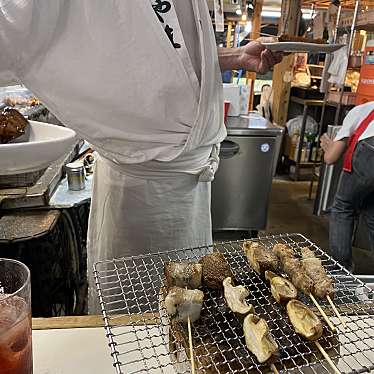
x=45 y=144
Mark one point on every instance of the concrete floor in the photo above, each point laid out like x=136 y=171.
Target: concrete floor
x=290 y=211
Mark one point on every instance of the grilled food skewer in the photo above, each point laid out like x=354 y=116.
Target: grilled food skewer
x=192 y=359
x=336 y=311
x=315 y=330
x=258 y=338
x=274 y=369
x=323 y=283
x=294 y=268
x=325 y=317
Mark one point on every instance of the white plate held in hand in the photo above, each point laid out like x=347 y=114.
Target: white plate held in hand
x=293 y=47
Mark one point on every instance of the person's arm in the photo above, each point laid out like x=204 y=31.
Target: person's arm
x=253 y=57
x=333 y=148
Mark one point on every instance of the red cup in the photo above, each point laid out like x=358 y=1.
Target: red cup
x=227 y=108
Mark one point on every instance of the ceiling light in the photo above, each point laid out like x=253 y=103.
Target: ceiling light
x=238 y=12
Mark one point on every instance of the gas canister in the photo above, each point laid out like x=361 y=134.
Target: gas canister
x=365 y=90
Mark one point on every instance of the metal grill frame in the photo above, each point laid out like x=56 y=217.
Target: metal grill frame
x=142 y=276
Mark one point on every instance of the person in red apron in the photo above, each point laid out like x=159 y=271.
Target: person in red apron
x=355 y=194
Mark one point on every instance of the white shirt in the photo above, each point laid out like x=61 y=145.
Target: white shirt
x=122 y=86
x=186 y=19
x=354 y=119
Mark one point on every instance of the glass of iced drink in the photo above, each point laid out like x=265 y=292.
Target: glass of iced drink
x=15 y=318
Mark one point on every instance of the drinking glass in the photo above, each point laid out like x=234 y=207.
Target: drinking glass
x=15 y=318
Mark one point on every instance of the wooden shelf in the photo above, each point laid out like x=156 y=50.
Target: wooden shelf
x=368 y=27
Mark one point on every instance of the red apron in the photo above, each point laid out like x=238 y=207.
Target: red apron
x=353 y=140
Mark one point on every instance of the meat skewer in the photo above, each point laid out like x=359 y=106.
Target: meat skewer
x=323 y=283
x=260 y=258
x=184 y=304
x=294 y=268
x=183 y=274
x=215 y=270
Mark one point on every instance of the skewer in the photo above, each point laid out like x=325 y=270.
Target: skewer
x=336 y=311
x=191 y=346
x=327 y=357
x=274 y=369
x=325 y=317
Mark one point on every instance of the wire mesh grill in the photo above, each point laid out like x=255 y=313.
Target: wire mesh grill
x=142 y=341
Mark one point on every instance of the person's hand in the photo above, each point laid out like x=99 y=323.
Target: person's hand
x=326 y=142
x=255 y=57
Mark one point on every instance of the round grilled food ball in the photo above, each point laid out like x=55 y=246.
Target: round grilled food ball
x=215 y=270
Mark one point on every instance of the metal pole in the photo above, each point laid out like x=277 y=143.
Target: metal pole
x=328 y=57
x=338 y=109
x=301 y=141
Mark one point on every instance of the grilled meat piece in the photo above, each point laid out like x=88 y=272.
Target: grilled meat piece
x=306 y=252
x=260 y=258
x=281 y=288
x=258 y=338
x=235 y=298
x=12 y=125
x=312 y=266
x=293 y=268
x=182 y=303
x=215 y=270
x=302 y=281
x=304 y=321
x=283 y=250
x=183 y=274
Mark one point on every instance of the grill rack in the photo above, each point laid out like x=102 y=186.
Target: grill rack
x=138 y=334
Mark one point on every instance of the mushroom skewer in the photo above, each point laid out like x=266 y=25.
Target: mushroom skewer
x=235 y=298
x=258 y=338
x=305 y=322
x=294 y=268
x=323 y=283
x=281 y=288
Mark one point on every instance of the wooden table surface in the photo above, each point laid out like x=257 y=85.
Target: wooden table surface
x=71 y=322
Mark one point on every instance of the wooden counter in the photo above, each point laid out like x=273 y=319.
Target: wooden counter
x=72 y=322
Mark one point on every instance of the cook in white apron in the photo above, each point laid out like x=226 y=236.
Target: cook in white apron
x=151 y=110
x=142 y=84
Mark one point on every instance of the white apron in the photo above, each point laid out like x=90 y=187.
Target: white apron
x=141 y=107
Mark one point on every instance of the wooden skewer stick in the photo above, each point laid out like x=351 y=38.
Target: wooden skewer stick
x=327 y=319
x=327 y=357
x=192 y=359
x=336 y=311
x=191 y=346
x=274 y=369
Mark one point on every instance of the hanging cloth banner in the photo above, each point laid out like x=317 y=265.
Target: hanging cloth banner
x=219 y=16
